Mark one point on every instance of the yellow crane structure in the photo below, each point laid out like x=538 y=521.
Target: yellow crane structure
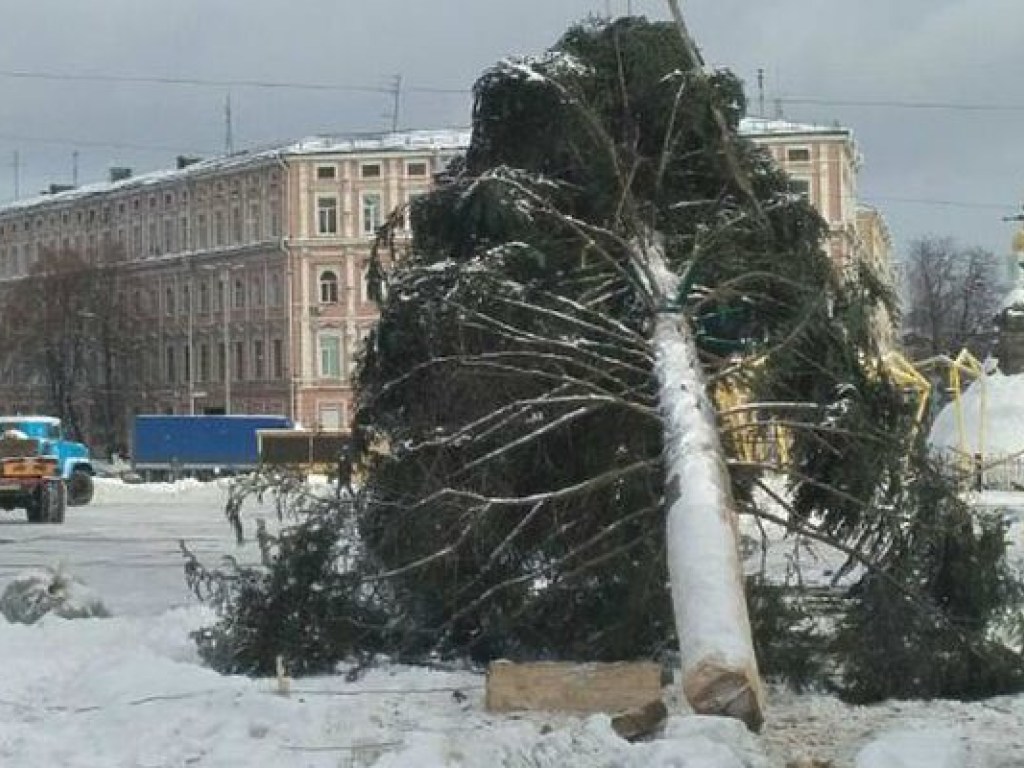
x=753 y=438
x=911 y=375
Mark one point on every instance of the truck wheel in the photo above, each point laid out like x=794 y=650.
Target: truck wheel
x=53 y=501
x=34 y=508
x=80 y=488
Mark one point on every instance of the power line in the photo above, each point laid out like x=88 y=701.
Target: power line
x=936 y=202
x=898 y=104
x=99 y=144
x=220 y=83
x=389 y=89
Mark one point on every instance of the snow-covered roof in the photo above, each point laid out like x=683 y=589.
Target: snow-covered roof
x=763 y=126
x=29 y=420
x=1014 y=298
x=441 y=140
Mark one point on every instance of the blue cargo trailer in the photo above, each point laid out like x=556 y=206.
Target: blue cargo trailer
x=199 y=444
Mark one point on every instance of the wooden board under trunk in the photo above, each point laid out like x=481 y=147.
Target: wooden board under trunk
x=572 y=687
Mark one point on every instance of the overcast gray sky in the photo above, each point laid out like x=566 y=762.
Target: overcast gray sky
x=950 y=169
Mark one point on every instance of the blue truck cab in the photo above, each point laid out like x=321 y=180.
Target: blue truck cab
x=74 y=463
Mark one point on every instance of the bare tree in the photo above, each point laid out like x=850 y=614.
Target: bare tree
x=950 y=297
x=68 y=334
x=115 y=360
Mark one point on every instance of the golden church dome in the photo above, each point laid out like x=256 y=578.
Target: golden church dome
x=1018 y=241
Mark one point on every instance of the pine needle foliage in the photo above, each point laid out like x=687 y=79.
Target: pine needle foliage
x=519 y=507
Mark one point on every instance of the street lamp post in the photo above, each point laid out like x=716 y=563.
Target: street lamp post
x=225 y=301
x=190 y=287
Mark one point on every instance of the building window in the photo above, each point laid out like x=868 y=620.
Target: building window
x=328 y=288
x=277 y=358
x=417 y=168
x=370 y=170
x=202 y=233
x=798 y=154
x=276 y=293
x=219 y=297
x=255 y=223
x=406 y=218
x=169 y=303
x=186 y=299
x=168 y=236
x=204 y=362
x=204 y=297
x=371 y=213
x=154 y=244
x=219 y=233
x=171 y=371
x=801 y=187
x=239 y=372
x=327 y=215
x=364 y=283
x=257 y=292
x=329 y=416
x=222 y=363
x=239 y=294
x=184 y=233
x=330 y=357
x=326 y=172
x=236 y=225
x=275 y=220
x=187 y=360
x=257 y=359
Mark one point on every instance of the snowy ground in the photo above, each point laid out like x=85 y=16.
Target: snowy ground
x=130 y=691
x=125 y=544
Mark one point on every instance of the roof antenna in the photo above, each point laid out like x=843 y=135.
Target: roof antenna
x=760 y=91
x=396 y=94
x=229 y=139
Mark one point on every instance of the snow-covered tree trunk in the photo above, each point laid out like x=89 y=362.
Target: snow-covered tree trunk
x=719 y=668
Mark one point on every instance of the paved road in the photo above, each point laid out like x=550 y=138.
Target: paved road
x=125 y=544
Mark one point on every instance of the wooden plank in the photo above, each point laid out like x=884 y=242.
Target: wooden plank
x=572 y=687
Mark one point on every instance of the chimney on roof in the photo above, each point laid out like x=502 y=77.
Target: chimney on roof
x=119 y=173
x=58 y=188
x=184 y=161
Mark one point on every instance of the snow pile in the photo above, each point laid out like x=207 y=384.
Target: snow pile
x=131 y=690
x=1001 y=419
x=37 y=592
x=927 y=748
x=79 y=694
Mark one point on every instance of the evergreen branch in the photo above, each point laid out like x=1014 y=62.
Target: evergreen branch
x=551 y=426
x=590 y=484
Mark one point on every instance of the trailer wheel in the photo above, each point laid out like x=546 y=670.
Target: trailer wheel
x=80 y=488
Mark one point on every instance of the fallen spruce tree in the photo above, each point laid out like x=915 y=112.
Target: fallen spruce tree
x=545 y=473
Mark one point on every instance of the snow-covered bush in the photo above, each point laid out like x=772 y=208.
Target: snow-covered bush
x=35 y=593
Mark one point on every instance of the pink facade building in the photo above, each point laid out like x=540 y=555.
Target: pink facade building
x=246 y=272
x=823 y=163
